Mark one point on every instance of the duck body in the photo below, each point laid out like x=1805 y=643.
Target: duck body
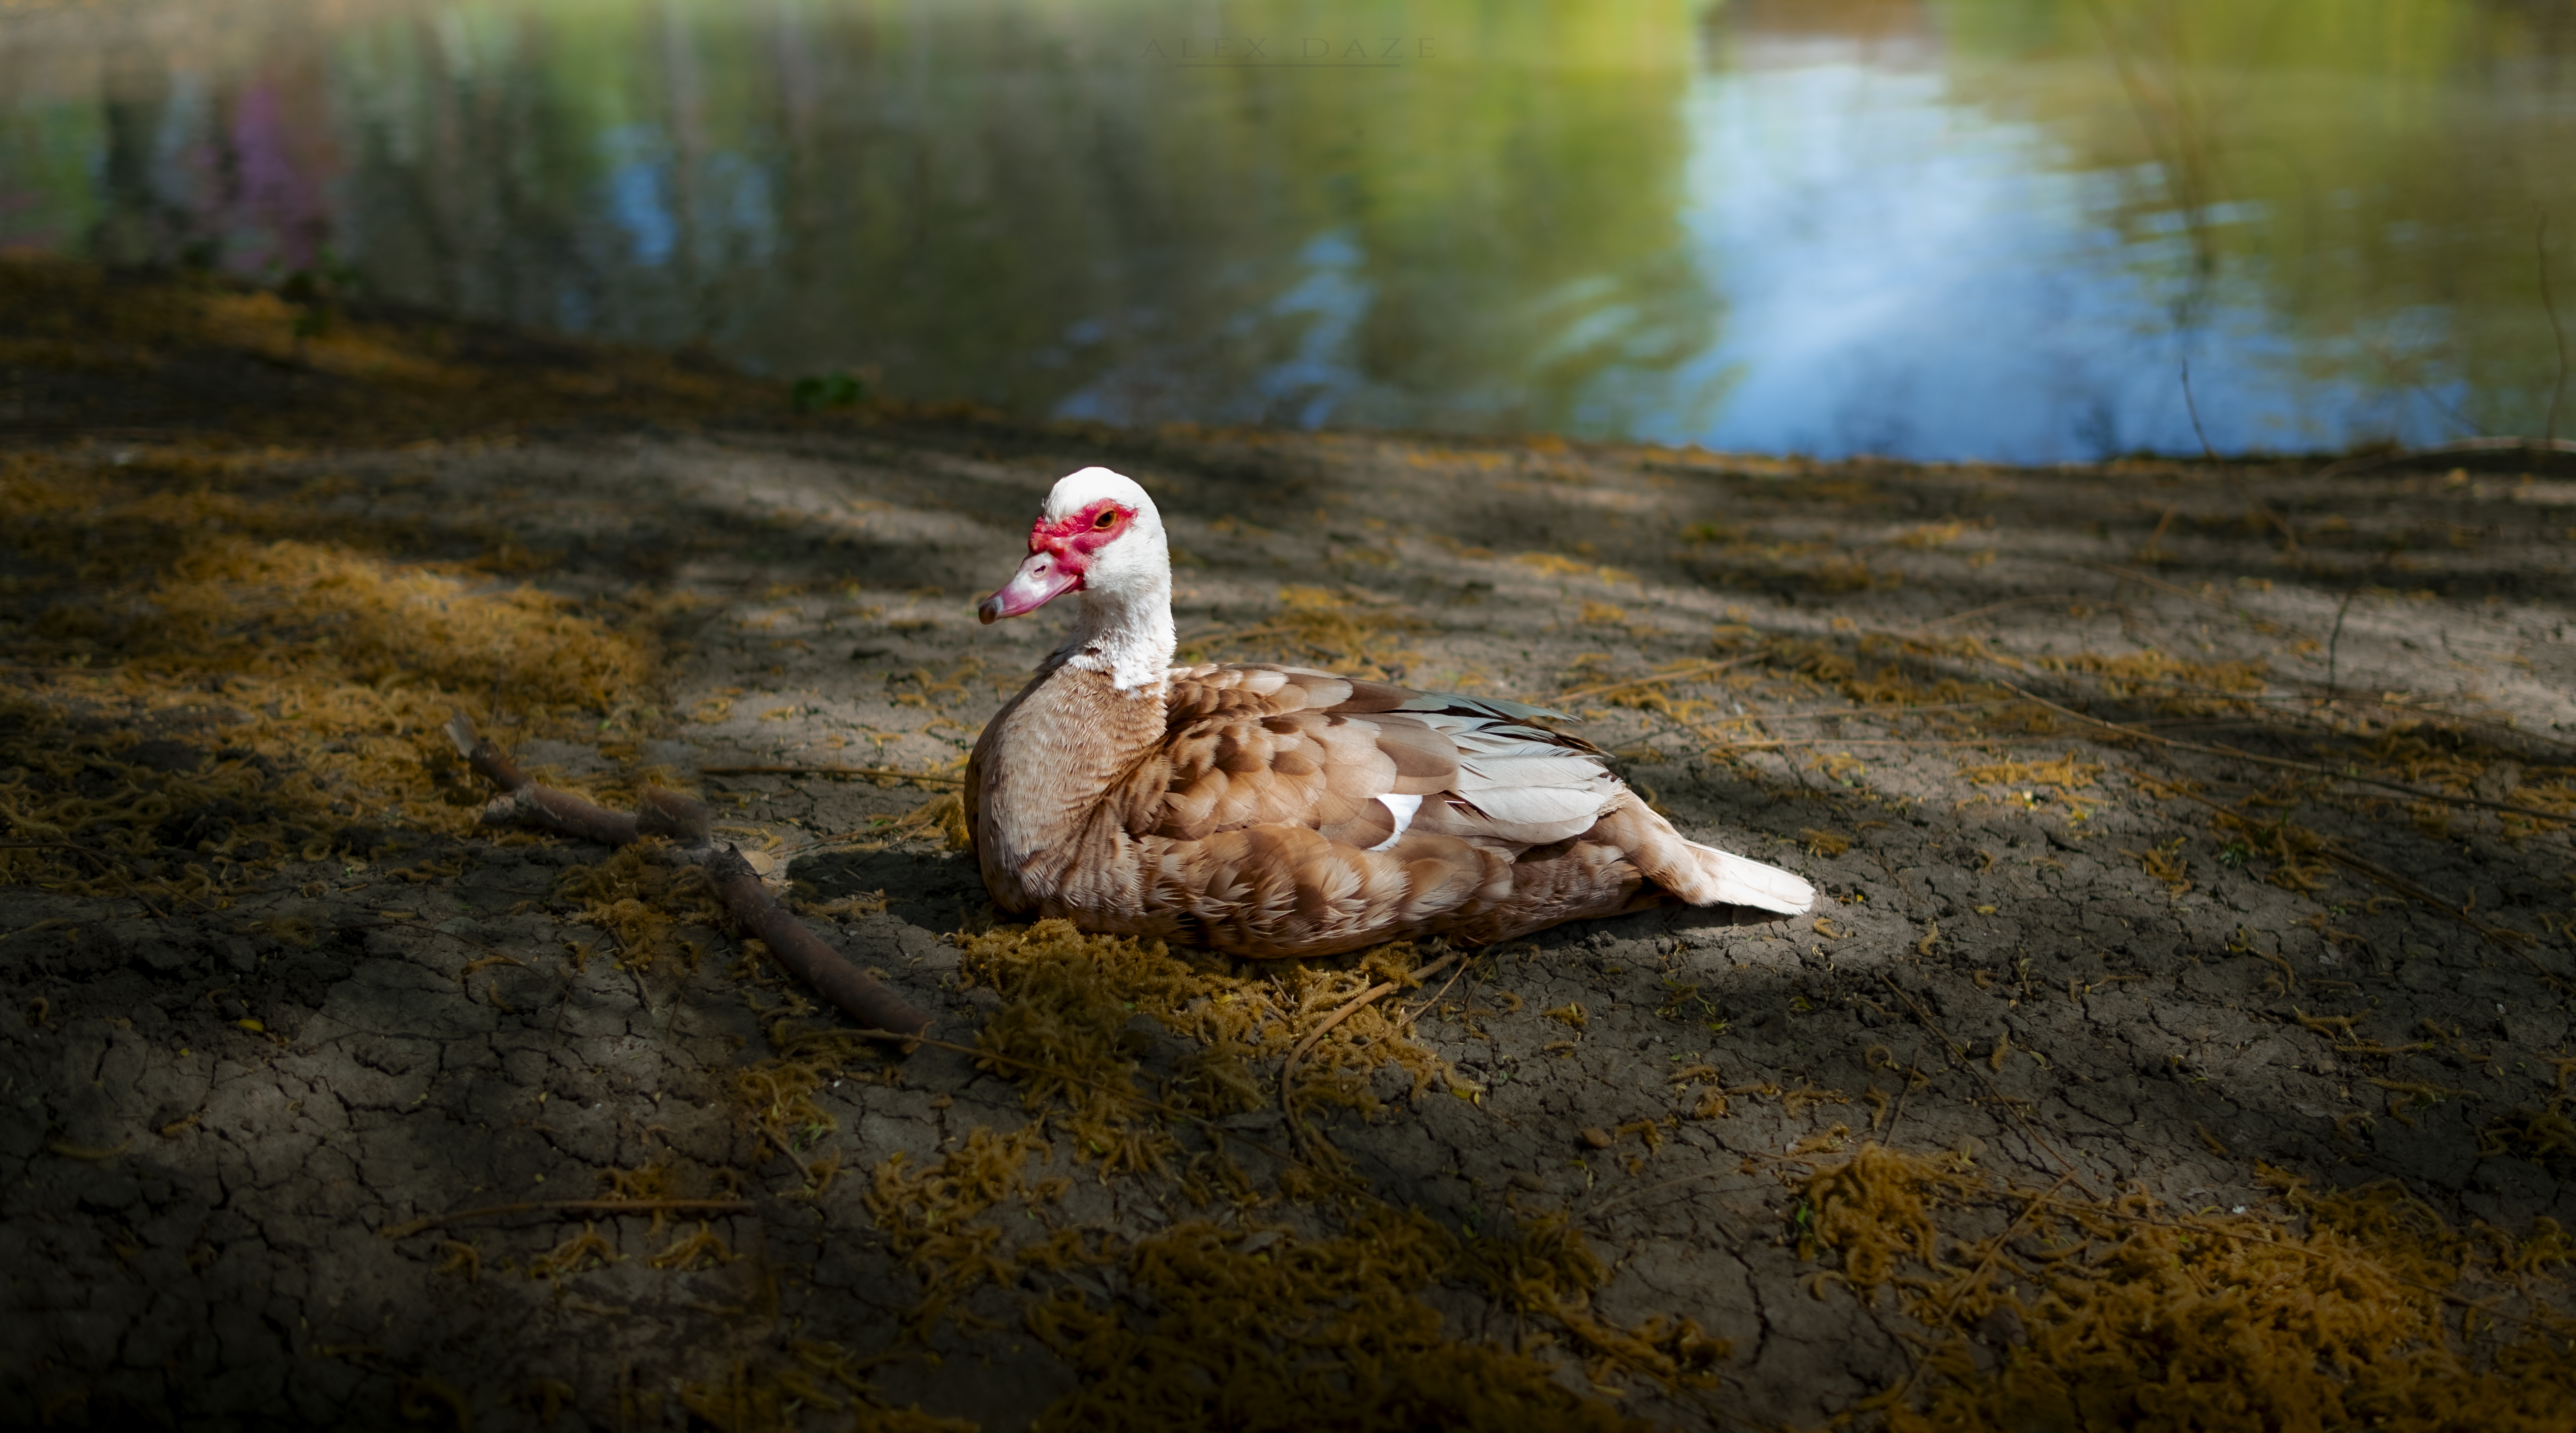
x=1270 y=810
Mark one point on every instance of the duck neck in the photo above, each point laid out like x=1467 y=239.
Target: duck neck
x=1047 y=766
x=1126 y=634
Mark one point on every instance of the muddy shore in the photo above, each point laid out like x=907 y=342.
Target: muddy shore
x=2194 y=836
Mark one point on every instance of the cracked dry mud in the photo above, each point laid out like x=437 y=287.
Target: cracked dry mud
x=2035 y=952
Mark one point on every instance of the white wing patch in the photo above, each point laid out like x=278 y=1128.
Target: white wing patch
x=1539 y=805
x=1402 y=808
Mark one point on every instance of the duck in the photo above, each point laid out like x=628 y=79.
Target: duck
x=1263 y=810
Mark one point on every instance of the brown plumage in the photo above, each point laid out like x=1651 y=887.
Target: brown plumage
x=1278 y=811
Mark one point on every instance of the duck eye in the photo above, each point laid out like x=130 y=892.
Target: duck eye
x=1108 y=518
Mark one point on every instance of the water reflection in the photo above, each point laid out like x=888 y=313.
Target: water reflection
x=1941 y=228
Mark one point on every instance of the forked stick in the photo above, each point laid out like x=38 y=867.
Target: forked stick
x=688 y=826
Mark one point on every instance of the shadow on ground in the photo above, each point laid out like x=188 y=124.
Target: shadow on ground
x=2188 y=832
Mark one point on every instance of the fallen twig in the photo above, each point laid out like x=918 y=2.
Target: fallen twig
x=1600 y=1208
x=664 y=813
x=1437 y=995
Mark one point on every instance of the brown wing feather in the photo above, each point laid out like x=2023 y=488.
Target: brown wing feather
x=1367 y=696
x=1251 y=744
x=1260 y=817
x=1276 y=890
x=1247 y=746
x=1310 y=690
x=1368 y=827
x=1425 y=761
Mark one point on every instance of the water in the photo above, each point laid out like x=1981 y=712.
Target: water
x=1998 y=229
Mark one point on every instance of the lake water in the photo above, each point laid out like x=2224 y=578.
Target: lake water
x=1998 y=229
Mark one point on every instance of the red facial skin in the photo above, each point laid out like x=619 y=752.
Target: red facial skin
x=1059 y=552
x=1079 y=536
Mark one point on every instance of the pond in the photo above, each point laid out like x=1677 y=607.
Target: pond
x=2010 y=230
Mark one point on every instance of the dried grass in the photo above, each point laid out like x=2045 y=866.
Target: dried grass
x=2066 y=773
x=2159 y=674
x=1260 y=1326
x=1064 y=1030
x=2166 y=863
x=230 y=683
x=2130 y=1315
x=643 y=903
x=1274 y=1331
x=1254 y=1326
x=168 y=600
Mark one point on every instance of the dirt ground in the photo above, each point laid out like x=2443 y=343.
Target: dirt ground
x=2186 y=834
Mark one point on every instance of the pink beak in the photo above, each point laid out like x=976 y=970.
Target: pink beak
x=1040 y=580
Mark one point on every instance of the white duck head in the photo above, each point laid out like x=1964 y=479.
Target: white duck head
x=1100 y=535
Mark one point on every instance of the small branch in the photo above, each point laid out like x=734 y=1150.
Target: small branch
x=2194 y=410
x=1357 y=1003
x=798 y=948
x=90 y=851
x=1442 y=993
x=2334 y=644
x=2316 y=695
x=2152 y=551
x=523 y=802
x=687 y=825
x=566 y=1206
